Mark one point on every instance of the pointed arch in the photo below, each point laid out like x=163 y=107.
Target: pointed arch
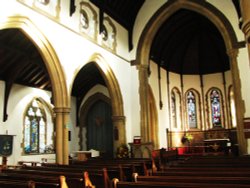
x=168 y=9
x=227 y=32
x=218 y=99
x=116 y=100
x=111 y=82
x=176 y=110
x=194 y=96
x=107 y=125
x=57 y=78
x=153 y=119
x=51 y=61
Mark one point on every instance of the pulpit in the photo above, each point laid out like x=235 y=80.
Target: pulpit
x=141 y=150
x=83 y=155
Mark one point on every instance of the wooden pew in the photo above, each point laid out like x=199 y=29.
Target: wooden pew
x=196 y=179
x=210 y=169
x=42 y=176
x=16 y=184
x=114 y=171
x=236 y=175
x=140 y=166
x=194 y=172
x=161 y=157
x=212 y=163
x=6 y=183
x=218 y=159
x=40 y=181
x=149 y=184
x=73 y=179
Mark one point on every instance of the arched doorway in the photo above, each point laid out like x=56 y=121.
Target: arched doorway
x=99 y=125
x=102 y=76
x=153 y=119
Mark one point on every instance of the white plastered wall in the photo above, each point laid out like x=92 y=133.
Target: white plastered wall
x=19 y=98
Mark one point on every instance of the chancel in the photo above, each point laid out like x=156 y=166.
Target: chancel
x=131 y=79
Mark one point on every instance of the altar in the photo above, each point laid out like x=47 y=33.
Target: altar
x=217 y=145
x=85 y=155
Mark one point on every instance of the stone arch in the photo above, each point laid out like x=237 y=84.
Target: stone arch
x=116 y=100
x=205 y=9
x=57 y=76
x=84 y=110
x=51 y=61
x=230 y=40
x=153 y=119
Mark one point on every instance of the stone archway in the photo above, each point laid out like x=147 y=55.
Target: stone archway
x=118 y=117
x=59 y=89
x=231 y=43
x=153 y=119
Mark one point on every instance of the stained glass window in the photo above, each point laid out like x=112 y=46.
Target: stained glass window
x=191 y=110
x=215 y=108
x=35 y=128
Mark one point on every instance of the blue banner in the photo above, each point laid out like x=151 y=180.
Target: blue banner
x=6 y=143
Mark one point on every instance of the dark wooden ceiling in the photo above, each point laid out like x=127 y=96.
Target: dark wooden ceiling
x=21 y=62
x=123 y=11
x=188 y=43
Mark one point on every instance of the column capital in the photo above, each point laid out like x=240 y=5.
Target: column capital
x=245 y=11
x=246 y=30
x=62 y=110
x=118 y=118
x=233 y=53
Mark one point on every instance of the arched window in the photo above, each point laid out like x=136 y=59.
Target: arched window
x=191 y=109
x=176 y=119
x=173 y=110
x=215 y=102
x=35 y=129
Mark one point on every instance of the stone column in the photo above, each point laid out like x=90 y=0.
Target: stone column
x=66 y=112
x=119 y=131
x=245 y=11
x=239 y=103
x=62 y=153
x=143 y=92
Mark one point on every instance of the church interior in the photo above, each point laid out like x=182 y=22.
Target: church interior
x=123 y=79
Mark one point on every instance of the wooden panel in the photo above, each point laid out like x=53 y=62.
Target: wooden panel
x=247 y=127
